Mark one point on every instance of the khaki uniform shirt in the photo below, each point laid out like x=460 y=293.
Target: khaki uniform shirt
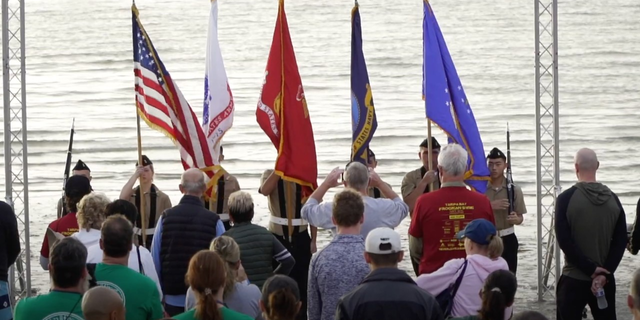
x=501 y=193
x=231 y=185
x=274 y=203
x=162 y=203
x=372 y=193
x=411 y=181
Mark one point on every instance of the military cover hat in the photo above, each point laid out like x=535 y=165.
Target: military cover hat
x=145 y=161
x=434 y=143
x=495 y=153
x=80 y=165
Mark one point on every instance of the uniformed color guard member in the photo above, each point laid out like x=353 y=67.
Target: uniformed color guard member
x=285 y=198
x=228 y=185
x=156 y=201
x=505 y=221
x=418 y=181
x=373 y=164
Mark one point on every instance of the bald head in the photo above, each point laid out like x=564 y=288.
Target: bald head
x=192 y=182
x=586 y=160
x=102 y=303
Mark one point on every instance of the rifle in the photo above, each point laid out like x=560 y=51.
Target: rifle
x=510 y=188
x=67 y=168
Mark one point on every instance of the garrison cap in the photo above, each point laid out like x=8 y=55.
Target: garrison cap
x=145 y=161
x=80 y=165
x=496 y=154
x=434 y=143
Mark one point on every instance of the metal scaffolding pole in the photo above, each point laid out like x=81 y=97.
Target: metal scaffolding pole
x=547 y=143
x=15 y=138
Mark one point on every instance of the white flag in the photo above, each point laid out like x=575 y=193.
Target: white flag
x=218 y=100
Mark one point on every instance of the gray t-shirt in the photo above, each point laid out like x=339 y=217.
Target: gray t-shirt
x=243 y=299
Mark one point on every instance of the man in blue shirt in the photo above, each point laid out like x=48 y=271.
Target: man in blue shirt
x=181 y=232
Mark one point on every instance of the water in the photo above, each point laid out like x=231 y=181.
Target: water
x=602 y=300
x=79 y=65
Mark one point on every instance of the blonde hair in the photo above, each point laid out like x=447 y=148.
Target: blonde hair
x=91 y=209
x=495 y=247
x=240 y=206
x=229 y=251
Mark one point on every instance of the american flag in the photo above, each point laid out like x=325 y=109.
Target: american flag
x=163 y=107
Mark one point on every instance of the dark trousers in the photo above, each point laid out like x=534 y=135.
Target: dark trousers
x=573 y=295
x=173 y=310
x=300 y=249
x=510 y=253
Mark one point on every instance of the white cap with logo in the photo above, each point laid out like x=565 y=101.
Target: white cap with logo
x=383 y=241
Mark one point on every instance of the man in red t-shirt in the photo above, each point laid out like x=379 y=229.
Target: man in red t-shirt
x=76 y=188
x=439 y=215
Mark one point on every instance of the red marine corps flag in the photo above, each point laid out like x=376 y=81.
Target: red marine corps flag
x=282 y=111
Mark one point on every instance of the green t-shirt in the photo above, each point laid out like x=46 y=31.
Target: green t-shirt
x=227 y=314
x=55 y=305
x=139 y=293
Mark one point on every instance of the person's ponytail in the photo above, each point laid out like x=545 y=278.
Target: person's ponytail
x=207 y=307
x=495 y=247
x=283 y=305
x=498 y=293
x=206 y=276
x=493 y=305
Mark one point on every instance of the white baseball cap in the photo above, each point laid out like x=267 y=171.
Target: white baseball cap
x=383 y=241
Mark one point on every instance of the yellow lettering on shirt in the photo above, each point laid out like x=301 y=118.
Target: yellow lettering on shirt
x=456 y=220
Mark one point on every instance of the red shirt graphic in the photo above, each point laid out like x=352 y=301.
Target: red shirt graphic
x=438 y=216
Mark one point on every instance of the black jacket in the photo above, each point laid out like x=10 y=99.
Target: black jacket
x=186 y=229
x=9 y=240
x=388 y=294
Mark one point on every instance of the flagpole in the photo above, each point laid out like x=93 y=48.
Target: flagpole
x=429 y=150
x=143 y=220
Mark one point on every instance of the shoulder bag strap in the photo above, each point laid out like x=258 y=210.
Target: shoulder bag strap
x=456 y=284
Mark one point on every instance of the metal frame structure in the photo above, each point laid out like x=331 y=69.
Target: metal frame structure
x=547 y=143
x=547 y=146
x=15 y=138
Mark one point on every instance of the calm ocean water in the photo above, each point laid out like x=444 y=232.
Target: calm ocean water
x=79 y=64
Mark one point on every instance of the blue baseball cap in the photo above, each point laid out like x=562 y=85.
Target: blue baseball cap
x=479 y=231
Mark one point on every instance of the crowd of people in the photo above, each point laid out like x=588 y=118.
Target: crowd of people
x=110 y=260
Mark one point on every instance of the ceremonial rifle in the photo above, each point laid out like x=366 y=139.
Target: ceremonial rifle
x=510 y=191
x=67 y=168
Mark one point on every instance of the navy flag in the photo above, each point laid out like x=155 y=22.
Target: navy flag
x=446 y=105
x=363 y=114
